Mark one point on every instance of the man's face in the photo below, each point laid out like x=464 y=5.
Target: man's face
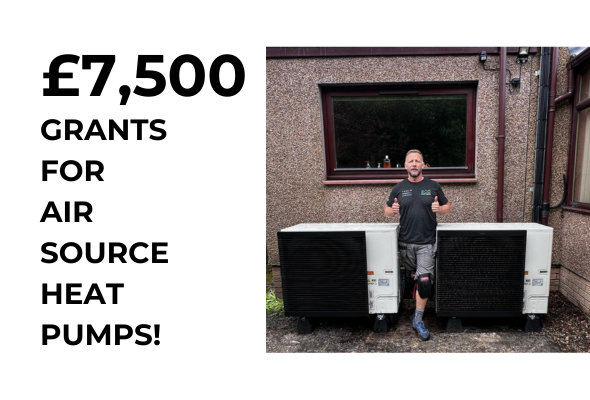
x=414 y=164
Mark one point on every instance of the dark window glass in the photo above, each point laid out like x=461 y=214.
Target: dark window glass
x=370 y=128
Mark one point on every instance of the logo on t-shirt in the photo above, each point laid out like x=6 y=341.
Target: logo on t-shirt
x=425 y=192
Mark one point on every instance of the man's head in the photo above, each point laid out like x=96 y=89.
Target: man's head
x=414 y=163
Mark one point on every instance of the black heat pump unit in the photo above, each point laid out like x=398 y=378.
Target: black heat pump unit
x=324 y=274
x=480 y=273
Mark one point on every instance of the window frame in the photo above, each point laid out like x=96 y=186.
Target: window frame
x=392 y=175
x=580 y=67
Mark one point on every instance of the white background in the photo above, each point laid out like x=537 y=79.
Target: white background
x=202 y=191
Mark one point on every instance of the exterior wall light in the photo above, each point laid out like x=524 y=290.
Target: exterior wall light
x=483 y=57
x=523 y=55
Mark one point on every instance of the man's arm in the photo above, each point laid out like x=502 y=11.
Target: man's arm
x=442 y=210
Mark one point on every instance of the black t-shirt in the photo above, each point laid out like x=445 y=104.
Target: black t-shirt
x=417 y=221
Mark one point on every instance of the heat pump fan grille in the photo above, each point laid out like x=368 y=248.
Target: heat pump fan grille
x=324 y=274
x=480 y=273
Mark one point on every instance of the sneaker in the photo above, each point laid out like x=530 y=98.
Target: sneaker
x=420 y=329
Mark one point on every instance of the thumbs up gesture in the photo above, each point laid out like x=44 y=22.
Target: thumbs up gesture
x=435 y=205
x=395 y=206
x=391 y=211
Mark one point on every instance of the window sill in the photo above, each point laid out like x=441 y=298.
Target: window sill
x=577 y=210
x=394 y=181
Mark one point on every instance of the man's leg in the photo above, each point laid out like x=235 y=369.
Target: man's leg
x=420 y=306
x=424 y=272
x=408 y=258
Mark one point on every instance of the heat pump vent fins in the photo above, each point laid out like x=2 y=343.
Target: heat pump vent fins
x=480 y=273
x=324 y=273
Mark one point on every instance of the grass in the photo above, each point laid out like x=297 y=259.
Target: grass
x=273 y=303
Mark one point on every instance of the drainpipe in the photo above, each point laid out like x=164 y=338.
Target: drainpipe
x=541 y=131
x=501 y=136
x=550 y=129
x=570 y=86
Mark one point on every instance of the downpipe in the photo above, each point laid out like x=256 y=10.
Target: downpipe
x=501 y=137
x=550 y=130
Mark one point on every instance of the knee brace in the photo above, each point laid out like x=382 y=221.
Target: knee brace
x=425 y=283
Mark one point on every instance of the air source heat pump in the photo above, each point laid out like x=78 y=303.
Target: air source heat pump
x=340 y=270
x=493 y=270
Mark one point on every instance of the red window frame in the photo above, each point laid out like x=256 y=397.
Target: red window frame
x=580 y=65
x=376 y=175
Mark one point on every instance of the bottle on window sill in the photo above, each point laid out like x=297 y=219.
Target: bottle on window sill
x=378 y=165
x=386 y=162
x=368 y=164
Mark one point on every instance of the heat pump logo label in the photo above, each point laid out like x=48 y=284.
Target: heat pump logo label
x=383 y=282
x=537 y=282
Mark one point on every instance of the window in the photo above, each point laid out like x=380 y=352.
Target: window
x=579 y=157
x=364 y=124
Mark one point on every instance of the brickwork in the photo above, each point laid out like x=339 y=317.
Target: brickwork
x=554 y=279
x=575 y=288
x=276 y=279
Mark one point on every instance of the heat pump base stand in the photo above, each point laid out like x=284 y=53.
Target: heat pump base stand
x=454 y=325
x=532 y=324
x=393 y=318
x=305 y=325
x=384 y=322
x=381 y=323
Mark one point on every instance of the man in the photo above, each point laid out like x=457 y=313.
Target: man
x=418 y=199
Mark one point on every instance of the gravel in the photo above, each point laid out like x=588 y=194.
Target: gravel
x=564 y=329
x=567 y=325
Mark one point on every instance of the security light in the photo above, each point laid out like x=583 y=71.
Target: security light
x=523 y=55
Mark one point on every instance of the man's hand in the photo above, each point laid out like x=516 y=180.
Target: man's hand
x=395 y=206
x=435 y=205
x=391 y=211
